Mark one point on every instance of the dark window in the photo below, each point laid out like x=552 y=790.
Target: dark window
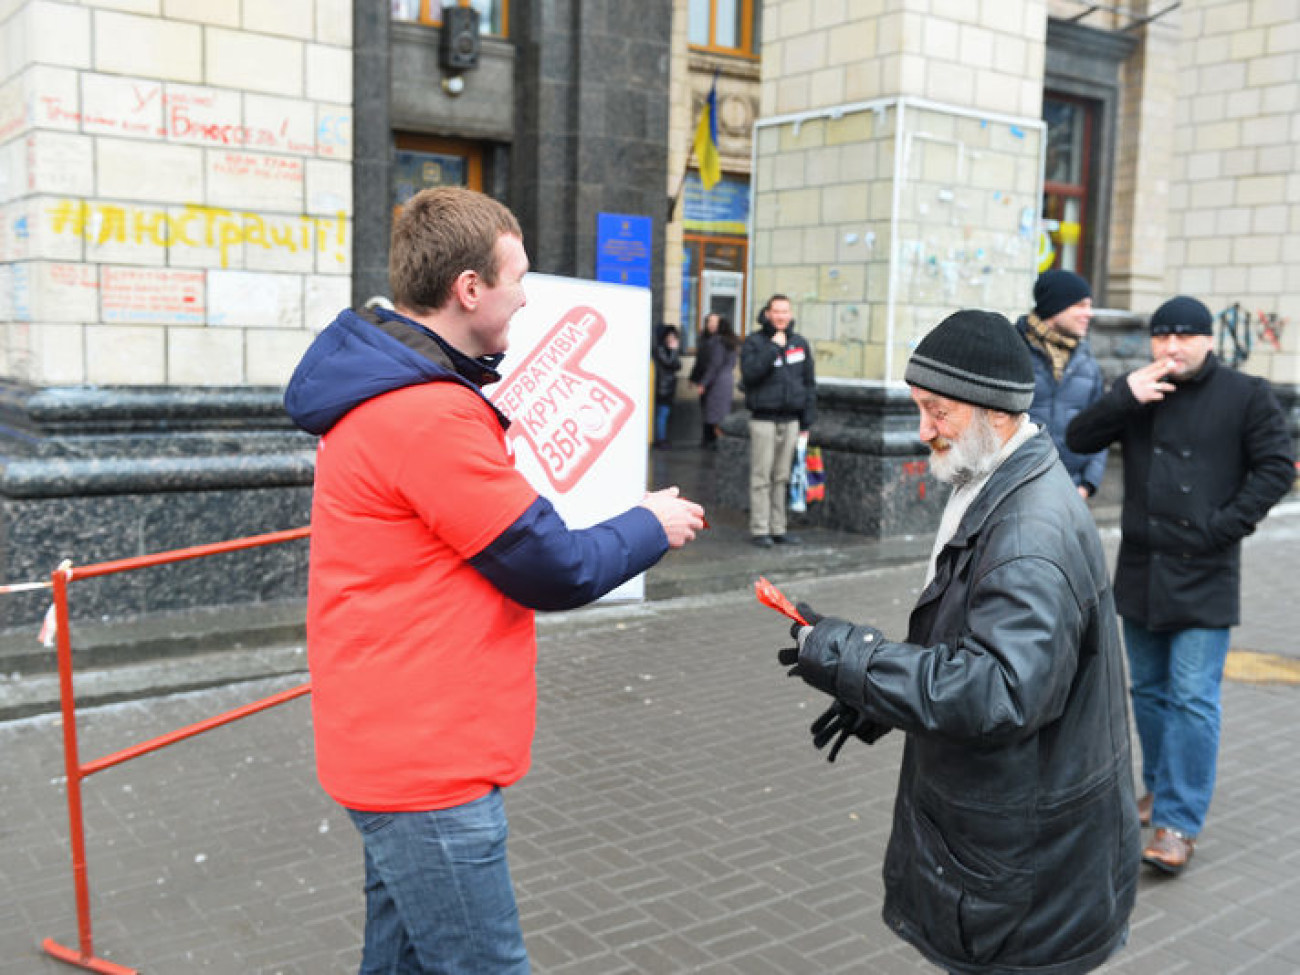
x=1068 y=202
x=421 y=162
x=493 y=14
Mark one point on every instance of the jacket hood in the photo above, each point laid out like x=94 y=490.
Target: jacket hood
x=361 y=355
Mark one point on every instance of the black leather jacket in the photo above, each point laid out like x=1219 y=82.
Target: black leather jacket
x=1015 y=843
x=1201 y=469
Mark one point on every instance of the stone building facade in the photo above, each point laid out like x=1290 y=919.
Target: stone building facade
x=190 y=188
x=1149 y=146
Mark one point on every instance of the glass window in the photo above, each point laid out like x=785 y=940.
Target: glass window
x=421 y=162
x=725 y=26
x=698 y=29
x=492 y=13
x=1067 y=191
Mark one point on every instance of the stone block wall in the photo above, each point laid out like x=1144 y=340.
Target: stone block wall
x=880 y=220
x=1234 y=215
x=986 y=55
x=175 y=188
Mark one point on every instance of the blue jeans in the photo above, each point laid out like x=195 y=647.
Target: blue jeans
x=438 y=894
x=1175 y=678
x=662 y=412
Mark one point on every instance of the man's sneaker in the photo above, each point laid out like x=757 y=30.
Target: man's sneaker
x=787 y=539
x=762 y=541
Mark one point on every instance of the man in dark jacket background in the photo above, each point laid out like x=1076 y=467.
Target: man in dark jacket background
x=776 y=369
x=1206 y=454
x=1015 y=838
x=1067 y=378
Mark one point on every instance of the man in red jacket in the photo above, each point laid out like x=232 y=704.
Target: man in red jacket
x=430 y=554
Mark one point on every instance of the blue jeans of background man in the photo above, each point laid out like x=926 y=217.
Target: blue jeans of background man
x=662 y=412
x=438 y=894
x=1175 y=678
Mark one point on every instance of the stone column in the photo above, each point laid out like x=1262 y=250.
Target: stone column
x=897 y=178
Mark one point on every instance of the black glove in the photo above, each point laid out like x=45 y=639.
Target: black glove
x=829 y=653
x=789 y=656
x=842 y=720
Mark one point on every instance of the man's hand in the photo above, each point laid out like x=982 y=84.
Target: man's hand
x=779 y=338
x=680 y=518
x=1148 y=384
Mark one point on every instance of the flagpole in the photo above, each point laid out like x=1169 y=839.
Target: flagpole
x=681 y=184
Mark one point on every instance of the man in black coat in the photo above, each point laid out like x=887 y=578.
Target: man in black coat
x=1206 y=454
x=1015 y=838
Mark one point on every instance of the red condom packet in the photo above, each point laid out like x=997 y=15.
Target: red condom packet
x=773 y=598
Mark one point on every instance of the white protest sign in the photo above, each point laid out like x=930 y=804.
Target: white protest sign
x=575 y=384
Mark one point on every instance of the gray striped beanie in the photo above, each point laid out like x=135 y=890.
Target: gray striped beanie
x=976 y=357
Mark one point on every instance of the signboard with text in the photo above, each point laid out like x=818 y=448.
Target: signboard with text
x=575 y=384
x=624 y=248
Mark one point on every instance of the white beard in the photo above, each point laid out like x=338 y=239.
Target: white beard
x=970 y=457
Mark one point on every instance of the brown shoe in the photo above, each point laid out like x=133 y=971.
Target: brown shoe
x=1144 y=809
x=1169 y=851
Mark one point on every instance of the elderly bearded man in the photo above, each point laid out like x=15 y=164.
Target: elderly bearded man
x=1015 y=843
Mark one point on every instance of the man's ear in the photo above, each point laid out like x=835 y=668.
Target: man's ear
x=1003 y=423
x=466 y=289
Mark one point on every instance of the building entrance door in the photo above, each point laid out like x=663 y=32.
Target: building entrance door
x=721 y=292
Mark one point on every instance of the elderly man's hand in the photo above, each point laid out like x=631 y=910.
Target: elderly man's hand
x=680 y=518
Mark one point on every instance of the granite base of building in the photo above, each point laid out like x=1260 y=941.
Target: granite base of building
x=95 y=475
x=878 y=482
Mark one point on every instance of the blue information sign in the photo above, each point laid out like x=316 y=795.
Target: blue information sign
x=624 y=246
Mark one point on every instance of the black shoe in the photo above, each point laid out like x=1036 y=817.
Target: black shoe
x=787 y=539
x=762 y=541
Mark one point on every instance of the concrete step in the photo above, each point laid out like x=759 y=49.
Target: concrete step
x=24 y=695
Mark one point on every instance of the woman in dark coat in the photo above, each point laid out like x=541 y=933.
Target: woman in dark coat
x=714 y=374
x=667 y=361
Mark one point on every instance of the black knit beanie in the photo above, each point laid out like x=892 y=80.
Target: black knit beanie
x=1182 y=316
x=976 y=357
x=1055 y=291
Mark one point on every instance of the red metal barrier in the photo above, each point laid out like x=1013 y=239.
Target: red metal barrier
x=84 y=955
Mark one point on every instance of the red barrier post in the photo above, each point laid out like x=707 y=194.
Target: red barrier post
x=84 y=955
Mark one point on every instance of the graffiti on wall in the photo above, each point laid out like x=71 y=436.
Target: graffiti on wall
x=196 y=115
x=196 y=226
x=1239 y=329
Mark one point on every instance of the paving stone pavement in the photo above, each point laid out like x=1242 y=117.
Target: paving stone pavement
x=676 y=820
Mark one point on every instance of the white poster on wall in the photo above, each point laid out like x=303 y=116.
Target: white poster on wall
x=575 y=384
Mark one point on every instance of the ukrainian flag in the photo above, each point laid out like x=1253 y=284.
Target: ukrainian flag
x=706 y=140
